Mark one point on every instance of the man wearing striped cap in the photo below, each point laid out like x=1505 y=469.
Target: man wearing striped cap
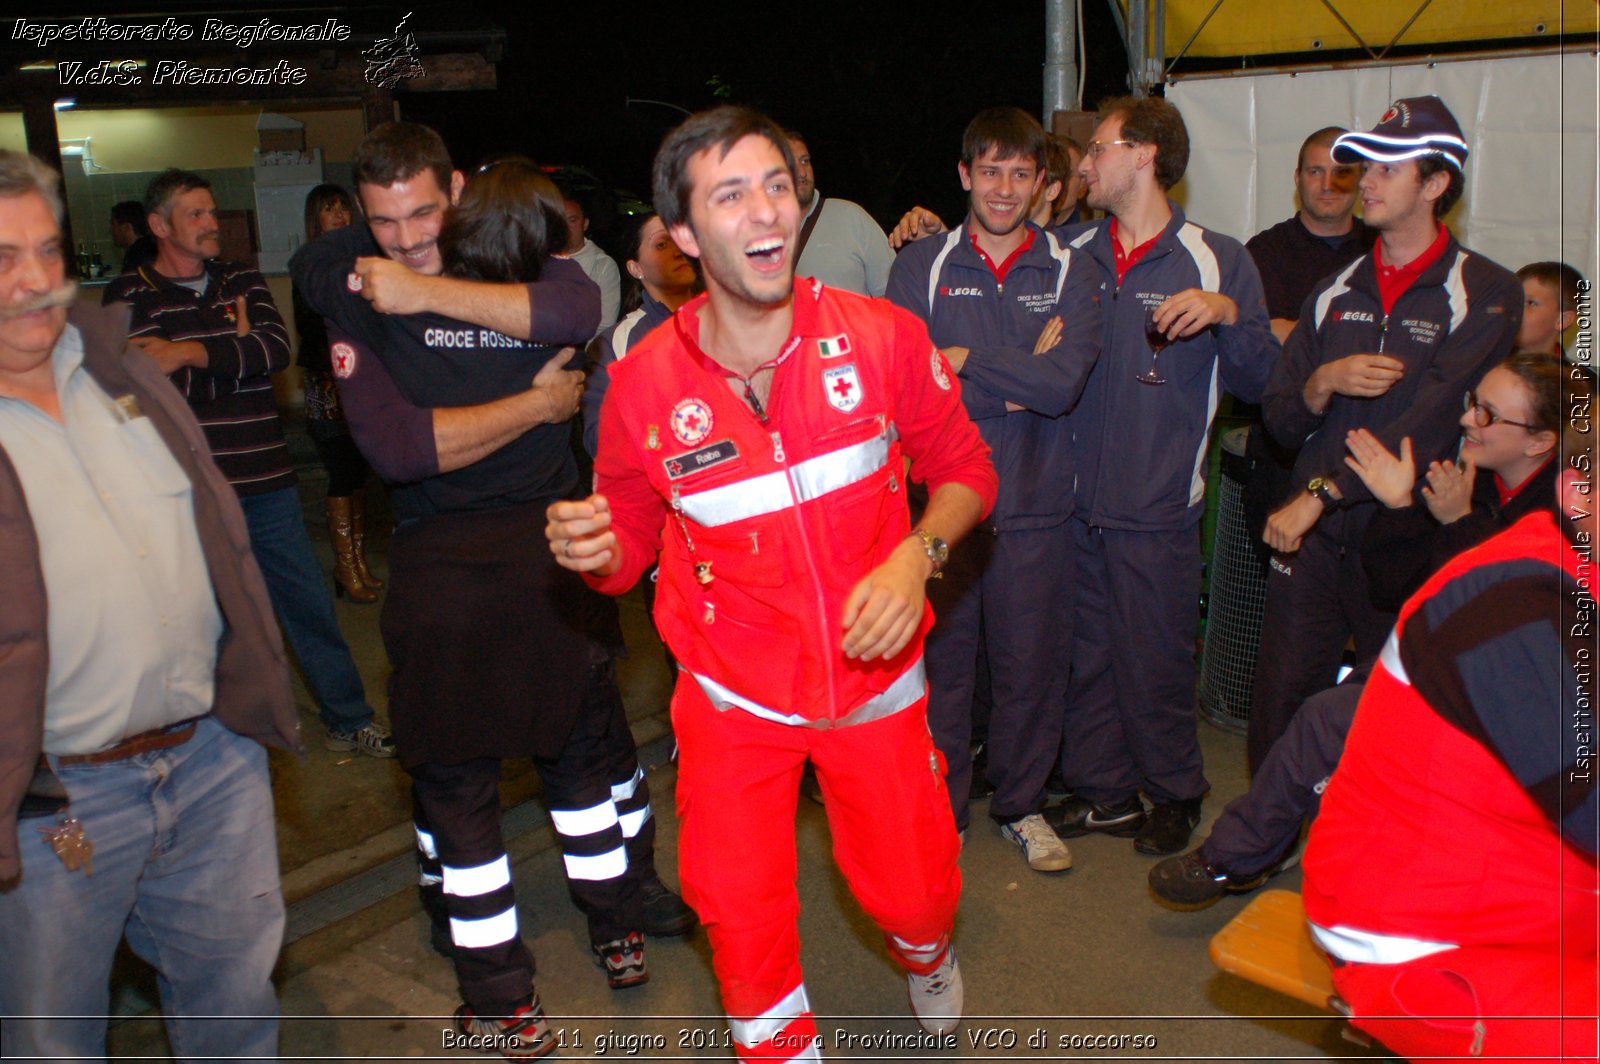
x=1390 y=343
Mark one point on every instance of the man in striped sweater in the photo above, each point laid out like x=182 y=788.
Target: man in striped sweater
x=211 y=326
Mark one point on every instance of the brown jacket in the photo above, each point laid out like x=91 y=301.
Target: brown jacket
x=252 y=683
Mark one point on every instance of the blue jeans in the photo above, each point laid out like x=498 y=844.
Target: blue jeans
x=186 y=865
x=304 y=605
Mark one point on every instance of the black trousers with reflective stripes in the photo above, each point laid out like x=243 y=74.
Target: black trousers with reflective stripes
x=600 y=803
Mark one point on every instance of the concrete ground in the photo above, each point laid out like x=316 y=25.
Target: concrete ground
x=1077 y=962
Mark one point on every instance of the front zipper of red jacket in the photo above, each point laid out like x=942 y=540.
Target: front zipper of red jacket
x=816 y=583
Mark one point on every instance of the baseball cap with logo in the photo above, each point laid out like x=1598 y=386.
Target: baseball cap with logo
x=1409 y=129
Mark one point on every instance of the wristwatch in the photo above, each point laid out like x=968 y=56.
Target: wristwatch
x=937 y=549
x=1319 y=488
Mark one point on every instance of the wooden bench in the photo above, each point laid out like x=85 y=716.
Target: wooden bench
x=1270 y=943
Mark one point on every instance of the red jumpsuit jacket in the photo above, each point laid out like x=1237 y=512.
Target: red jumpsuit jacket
x=765 y=527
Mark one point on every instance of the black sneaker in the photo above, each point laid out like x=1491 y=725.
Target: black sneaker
x=662 y=913
x=1075 y=816
x=1168 y=827
x=1192 y=882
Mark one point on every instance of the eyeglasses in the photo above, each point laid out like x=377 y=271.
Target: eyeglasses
x=1098 y=148
x=1483 y=417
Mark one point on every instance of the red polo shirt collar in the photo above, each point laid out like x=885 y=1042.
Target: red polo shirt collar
x=1125 y=259
x=1394 y=280
x=1004 y=268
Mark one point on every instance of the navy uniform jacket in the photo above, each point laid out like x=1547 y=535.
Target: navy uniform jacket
x=1452 y=325
x=945 y=282
x=1141 y=448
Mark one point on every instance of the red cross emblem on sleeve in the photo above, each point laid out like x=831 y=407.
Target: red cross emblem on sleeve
x=343 y=357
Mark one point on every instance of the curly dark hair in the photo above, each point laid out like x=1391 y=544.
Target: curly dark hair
x=1152 y=120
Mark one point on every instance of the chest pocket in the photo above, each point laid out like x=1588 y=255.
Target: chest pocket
x=859 y=479
x=725 y=516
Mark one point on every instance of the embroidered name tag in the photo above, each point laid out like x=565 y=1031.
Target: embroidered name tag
x=710 y=455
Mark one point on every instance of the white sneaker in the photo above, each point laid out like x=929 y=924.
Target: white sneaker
x=1040 y=844
x=937 y=998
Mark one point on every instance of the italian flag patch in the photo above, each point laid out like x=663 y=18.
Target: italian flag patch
x=834 y=346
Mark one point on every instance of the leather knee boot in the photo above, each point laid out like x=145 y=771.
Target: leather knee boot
x=358 y=536
x=347 y=582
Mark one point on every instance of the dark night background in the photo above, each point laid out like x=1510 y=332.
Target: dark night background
x=881 y=90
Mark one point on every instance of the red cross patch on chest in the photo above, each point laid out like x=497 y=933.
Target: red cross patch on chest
x=842 y=386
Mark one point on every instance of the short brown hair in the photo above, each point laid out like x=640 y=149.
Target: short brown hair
x=1559 y=276
x=1010 y=131
x=399 y=151
x=1427 y=166
x=1152 y=120
x=721 y=128
x=168 y=184
x=1322 y=138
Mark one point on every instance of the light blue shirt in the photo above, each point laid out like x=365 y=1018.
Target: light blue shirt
x=133 y=621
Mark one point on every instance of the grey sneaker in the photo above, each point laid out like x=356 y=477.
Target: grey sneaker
x=937 y=998
x=372 y=739
x=1041 y=845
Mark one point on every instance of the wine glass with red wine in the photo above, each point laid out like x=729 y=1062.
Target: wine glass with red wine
x=1157 y=340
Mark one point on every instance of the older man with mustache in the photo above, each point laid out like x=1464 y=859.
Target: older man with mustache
x=212 y=327
x=141 y=672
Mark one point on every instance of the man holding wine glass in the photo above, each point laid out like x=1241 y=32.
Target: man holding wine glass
x=1388 y=344
x=1184 y=318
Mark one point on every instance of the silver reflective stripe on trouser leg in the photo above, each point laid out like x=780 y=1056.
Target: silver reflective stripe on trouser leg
x=478 y=882
x=906 y=690
x=631 y=799
x=428 y=874
x=763 y=1028
x=591 y=841
x=928 y=954
x=803 y=482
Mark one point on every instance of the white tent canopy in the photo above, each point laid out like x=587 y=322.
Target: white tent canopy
x=1530 y=122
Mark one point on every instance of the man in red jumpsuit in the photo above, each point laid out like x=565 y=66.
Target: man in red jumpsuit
x=758 y=443
x=1452 y=871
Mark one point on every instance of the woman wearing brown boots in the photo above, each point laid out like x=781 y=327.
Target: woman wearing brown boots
x=330 y=207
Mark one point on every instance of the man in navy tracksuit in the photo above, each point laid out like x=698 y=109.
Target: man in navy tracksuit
x=987 y=291
x=1390 y=344
x=1141 y=433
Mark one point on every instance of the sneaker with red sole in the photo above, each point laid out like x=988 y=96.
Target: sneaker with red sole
x=523 y=1035
x=623 y=961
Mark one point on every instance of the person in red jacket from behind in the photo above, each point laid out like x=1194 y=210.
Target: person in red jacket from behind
x=1452 y=872
x=758 y=442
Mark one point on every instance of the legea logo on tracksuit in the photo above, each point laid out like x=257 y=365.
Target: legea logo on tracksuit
x=946 y=290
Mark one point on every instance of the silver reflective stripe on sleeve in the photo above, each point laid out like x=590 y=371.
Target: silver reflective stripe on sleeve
x=903 y=693
x=1369 y=947
x=1390 y=658
x=779 y=490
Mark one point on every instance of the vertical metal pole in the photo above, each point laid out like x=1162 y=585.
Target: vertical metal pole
x=1138 y=47
x=1158 y=63
x=1060 y=59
